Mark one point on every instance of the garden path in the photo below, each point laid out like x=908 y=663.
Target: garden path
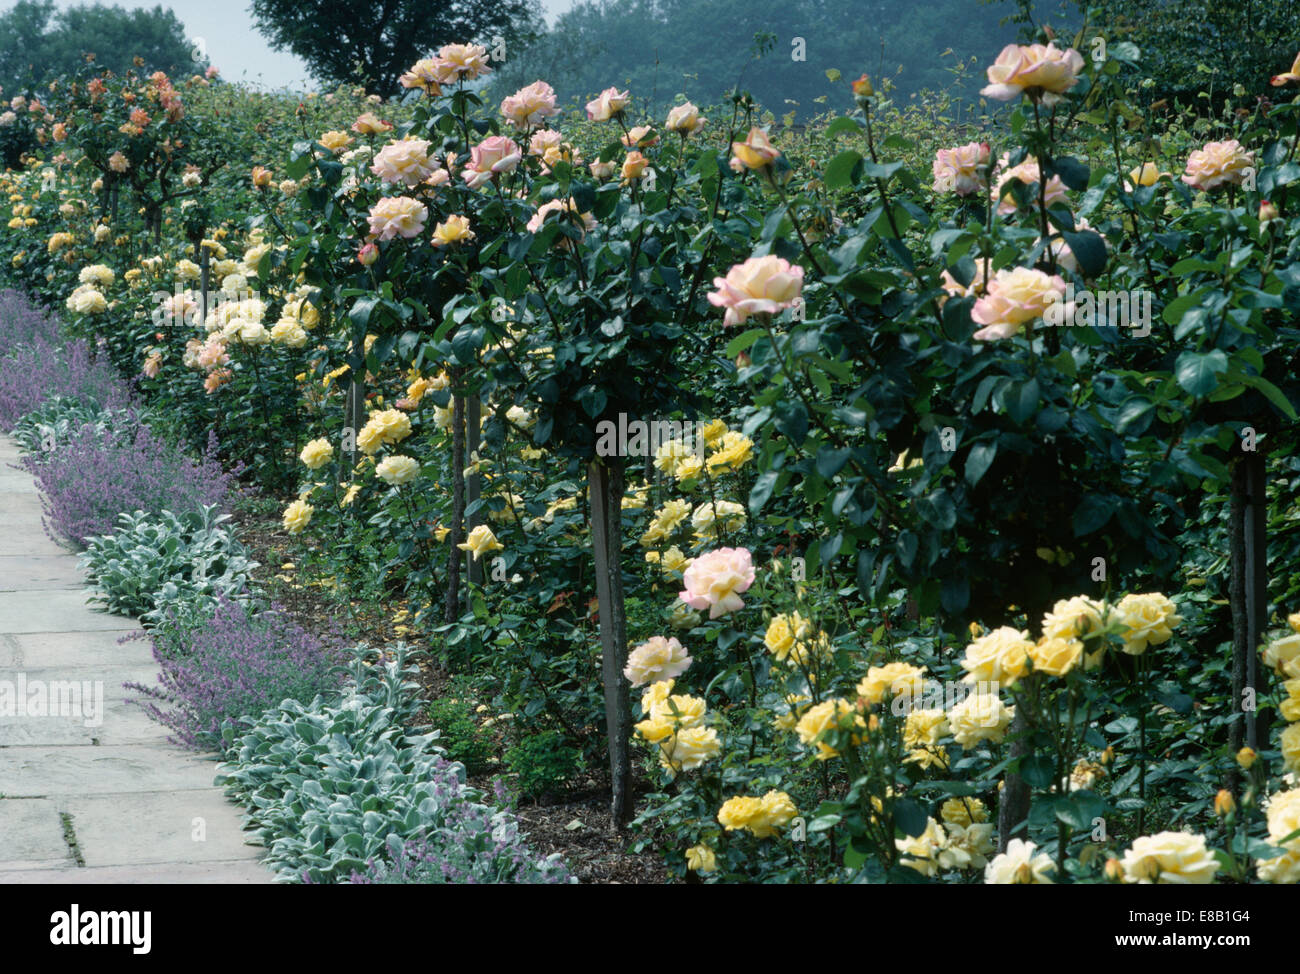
x=98 y=798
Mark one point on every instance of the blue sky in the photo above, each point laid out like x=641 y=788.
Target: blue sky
x=232 y=44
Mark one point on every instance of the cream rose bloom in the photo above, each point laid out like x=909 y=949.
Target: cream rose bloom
x=689 y=748
x=457 y=62
x=1021 y=864
x=1177 y=858
x=1041 y=71
x=655 y=660
x=1148 y=619
x=761 y=285
x=980 y=717
x=397 y=470
x=1217 y=164
x=397 y=216
x=607 y=104
x=685 y=119
x=405 y=161
x=1013 y=298
x=1074 y=618
x=716 y=579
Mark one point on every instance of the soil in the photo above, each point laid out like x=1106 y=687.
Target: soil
x=575 y=824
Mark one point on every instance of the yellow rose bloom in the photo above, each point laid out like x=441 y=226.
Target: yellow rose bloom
x=713 y=432
x=896 y=679
x=823 y=719
x=734 y=452
x=1289 y=742
x=316 y=454
x=923 y=731
x=963 y=811
x=980 y=717
x=700 y=859
x=452 y=230
x=297 y=516
x=673 y=561
x=481 y=541
x=1149 y=620
x=1000 y=656
x=1055 y=656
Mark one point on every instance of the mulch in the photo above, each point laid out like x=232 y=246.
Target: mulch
x=575 y=824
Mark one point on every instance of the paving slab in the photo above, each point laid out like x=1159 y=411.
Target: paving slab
x=82 y=706
x=234 y=872
x=31 y=834
x=166 y=827
x=56 y=772
x=56 y=610
x=25 y=573
x=74 y=650
x=139 y=810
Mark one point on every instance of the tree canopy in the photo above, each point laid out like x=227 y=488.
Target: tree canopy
x=38 y=42
x=374 y=41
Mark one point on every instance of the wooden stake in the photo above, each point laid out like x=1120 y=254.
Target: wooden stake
x=606 y=484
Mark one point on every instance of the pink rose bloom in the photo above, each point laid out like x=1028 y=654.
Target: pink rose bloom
x=609 y=103
x=1041 y=71
x=527 y=107
x=961 y=170
x=405 y=161
x=1217 y=164
x=118 y=162
x=423 y=74
x=715 y=580
x=759 y=285
x=212 y=354
x=397 y=216
x=568 y=210
x=1061 y=250
x=956 y=289
x=1013 y=298
x=602 y=170
x=461 y=62
x=493 y=155
x=1027 y=172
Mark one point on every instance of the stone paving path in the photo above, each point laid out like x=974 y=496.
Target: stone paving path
x=104 y=798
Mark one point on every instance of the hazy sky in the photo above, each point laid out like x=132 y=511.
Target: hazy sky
x=225 y=28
